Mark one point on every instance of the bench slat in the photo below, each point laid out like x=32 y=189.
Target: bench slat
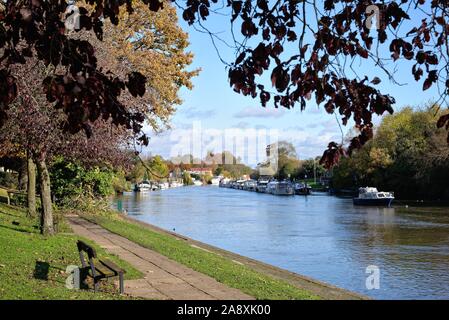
x=104 y=272
x=111 y=265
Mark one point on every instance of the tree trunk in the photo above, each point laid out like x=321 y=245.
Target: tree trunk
x=31 y=187
x=47 y=209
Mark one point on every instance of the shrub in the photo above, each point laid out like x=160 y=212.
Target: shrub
x=71 y=182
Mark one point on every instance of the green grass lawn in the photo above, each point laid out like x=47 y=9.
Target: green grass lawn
x=33 y=266
x=224 y=270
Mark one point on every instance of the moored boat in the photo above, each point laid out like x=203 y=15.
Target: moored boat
x=163 y=185
x=239 y=184
x=283 y=188
x=262 y=185
x=303 y=189
x=143 y=186
x=369 y=196
x=250 y=185
x=176 y=184
x=225 y=183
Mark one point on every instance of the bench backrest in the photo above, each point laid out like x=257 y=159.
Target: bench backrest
x=4 y=193
x=91 y=255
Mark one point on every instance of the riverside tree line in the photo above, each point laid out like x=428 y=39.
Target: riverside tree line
x=408 y=155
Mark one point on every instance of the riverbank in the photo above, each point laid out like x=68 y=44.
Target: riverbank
x=164 y=279
x=252 y=277
x=33 y=267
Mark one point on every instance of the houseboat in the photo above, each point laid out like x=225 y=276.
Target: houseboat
x=369 y=196
x=176 y=184
x=303 y=189
x=143 y=186
x=239 y=184
x=262 y=185
x=250 y=185
x=283 y=188
x=164 y=185
x=225 y=183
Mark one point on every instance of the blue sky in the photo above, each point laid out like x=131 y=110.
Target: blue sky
x=217 y=106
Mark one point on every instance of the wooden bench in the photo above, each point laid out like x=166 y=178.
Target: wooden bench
x=98 y=269
x=10 y=196
x=5 y=195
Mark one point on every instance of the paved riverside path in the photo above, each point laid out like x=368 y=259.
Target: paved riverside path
x=163 y=278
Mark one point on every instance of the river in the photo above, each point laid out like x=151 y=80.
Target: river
x=320 y=236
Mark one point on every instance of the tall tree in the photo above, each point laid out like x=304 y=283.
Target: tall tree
x=154 y=45
x=157 y=49
x=34 y=127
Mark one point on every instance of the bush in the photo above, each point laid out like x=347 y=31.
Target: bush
x=120 y=184
x=72 y=183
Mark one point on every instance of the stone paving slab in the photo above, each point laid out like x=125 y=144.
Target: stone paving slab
x=163 y=278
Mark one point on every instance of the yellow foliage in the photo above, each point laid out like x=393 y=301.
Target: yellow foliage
x=153 y=44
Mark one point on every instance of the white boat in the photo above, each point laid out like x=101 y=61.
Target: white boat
x=164 y=185
x=262 y=185
x=250 y=185
x=369 y=196
x=215 y=181
x=176 y=184
x=143 y=186
x=197 y=183
x=239 y=184
x=303 y=189
x=225 y=183
x=283 y=188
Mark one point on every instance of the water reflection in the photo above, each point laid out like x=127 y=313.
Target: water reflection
x=320 y=236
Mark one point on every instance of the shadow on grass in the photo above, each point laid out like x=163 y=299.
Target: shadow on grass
x=9 y=214
x=41 y=270
x=16 y=229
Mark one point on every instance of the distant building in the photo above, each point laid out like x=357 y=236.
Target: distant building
x=201 y=171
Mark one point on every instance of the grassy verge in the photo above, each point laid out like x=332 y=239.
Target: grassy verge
x=33 y=266
x=224 y=270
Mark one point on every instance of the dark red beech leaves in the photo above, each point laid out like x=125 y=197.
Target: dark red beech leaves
x=340 y=34
x=328 y=35
x=74 y=82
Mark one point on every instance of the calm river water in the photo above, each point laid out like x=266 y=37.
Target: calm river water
x=320 y=236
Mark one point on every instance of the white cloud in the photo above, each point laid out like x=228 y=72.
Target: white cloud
x=179 y=140
x=260 y=112
x=197 y=113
